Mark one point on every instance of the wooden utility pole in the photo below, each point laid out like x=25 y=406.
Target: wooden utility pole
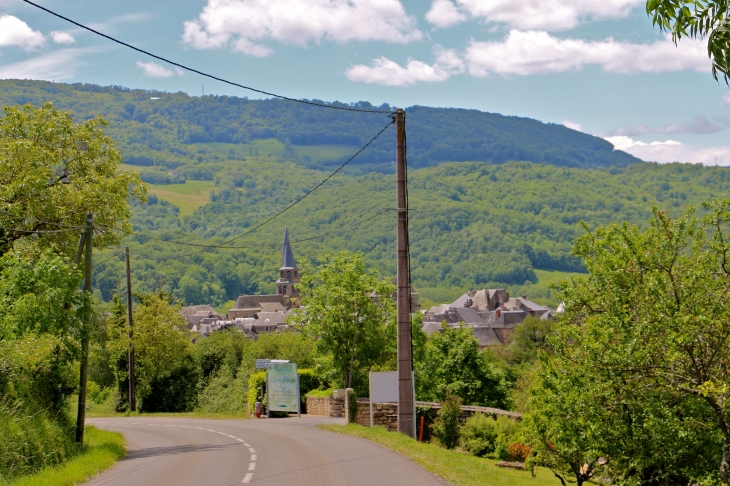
x=131 y=392
x=406 y=400
x=81 y=416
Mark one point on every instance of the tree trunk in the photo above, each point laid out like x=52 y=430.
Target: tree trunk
x=725 y=464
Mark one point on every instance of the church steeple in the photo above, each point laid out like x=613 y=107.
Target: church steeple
x=289 y=272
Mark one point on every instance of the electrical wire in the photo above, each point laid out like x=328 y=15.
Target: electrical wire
x=200 y=245
x=38 y=232
x=182 y=66
x=267 y=221
x=107 y=259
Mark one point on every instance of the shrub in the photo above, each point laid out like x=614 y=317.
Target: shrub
x=479 y=435
x=446 y=427
x=518 y=451
x=255 y=381
x=483 y=435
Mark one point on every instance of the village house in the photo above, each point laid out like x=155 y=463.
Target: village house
x=490 y=313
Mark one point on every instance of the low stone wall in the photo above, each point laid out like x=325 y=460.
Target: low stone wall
x=327 y=406
x=384 y=414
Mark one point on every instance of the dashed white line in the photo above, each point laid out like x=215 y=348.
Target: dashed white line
x=253 y=457
x=232 y=436
x=252 y=466
x=222 y=433
x=247 y=478
x=247 y=444
x=239 y=440
x=251 y=450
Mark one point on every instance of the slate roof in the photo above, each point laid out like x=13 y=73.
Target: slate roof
x=287 y=256
x=485 y=335
x=255 y=301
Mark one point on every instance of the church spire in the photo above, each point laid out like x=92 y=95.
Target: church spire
x=288 y=273
x=287 y=256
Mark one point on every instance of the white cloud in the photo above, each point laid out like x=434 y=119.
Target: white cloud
x=243 y=25
x=15 y=32
x=529 y=14
x=154 y=70
x=62 y=37
x=698 y=126
x=536 y=52
x=58 y=65
x=573 y=126
x=389 y=73
x=444 y=14
x=672 y=151
x=726 y=98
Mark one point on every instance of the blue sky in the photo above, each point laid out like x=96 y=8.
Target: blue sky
x=595 y=65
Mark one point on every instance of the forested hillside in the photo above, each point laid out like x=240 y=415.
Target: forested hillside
x=163 y=130
x=473 y=224
x=228 y=164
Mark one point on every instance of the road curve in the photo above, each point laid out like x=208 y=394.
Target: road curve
x=290 y=451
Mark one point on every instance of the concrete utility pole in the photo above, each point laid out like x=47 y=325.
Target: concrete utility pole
x=81 y=416
x=406 y=400
x=132 y=397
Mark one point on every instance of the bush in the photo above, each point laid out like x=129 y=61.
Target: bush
x=446 y=427
x=321 y=393
x=483 y=435
x=255 y=381
x=518 y=451
x=479 y=435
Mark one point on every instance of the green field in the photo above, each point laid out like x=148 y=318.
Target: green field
x=188 y=197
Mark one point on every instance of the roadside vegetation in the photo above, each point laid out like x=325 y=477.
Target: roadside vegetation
x=102 y=449
x=454 y=466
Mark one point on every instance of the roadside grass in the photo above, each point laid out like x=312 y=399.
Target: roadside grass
x=188 y=197
x=455 y=467
x=102 y=450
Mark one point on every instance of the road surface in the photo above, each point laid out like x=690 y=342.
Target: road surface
x=289 y=451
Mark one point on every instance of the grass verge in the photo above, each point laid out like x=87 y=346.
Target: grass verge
x=103 y=449
x=455 y=467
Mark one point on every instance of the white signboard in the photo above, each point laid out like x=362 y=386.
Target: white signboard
x=384 y=387
x=262 y=363
x=283 y=387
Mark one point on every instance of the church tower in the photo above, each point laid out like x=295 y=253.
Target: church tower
x=288 y=273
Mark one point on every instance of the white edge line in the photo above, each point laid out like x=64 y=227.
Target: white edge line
x=252 y=466
x=253 y=457
x=247 y=478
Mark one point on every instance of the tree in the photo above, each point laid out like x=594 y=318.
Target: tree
x=697 y=18
x=650 y=330
x=453 y=365
x=53 y=171
x=347 y=308
x=527 y=338
x=165 y=368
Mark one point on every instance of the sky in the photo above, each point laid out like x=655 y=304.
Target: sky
x=598 y=66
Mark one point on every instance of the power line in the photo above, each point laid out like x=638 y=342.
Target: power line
x=200 y=245
x=330 y=176
x=37 y=232
x=182 y=66
x=107 y=259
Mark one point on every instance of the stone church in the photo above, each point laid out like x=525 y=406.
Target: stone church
x=261 y=306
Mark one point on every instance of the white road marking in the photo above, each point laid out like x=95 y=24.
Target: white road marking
x=252 y=466
x=251 y=450
x=253 y=457
x=232 y=437
x=222 y=433
x=239 y=440
x=247 y=478
x=200 y=428
x=209 y=430
x=169 y=425
x=154 y=425
x=247 y=444
x=184 y=427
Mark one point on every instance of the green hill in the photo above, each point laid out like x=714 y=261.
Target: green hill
x=177 y=131
x=473 y=224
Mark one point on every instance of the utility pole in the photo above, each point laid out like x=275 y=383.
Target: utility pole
x=81 y=416
x=131 y=392
x=406 y=400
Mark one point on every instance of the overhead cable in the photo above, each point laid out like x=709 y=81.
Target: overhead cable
x=193 y=70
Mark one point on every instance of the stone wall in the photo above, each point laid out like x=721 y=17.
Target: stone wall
x=327 y=406
x=385 y=414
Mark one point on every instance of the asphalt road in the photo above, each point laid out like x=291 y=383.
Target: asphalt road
x=290 y=451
